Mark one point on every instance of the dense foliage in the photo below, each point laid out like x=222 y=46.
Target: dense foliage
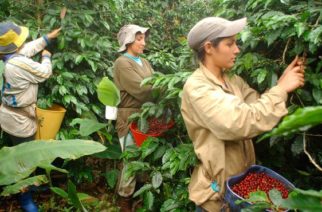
x=84 y=53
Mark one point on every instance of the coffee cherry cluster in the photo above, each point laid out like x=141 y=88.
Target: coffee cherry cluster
x=157 y=126
x=259 y=181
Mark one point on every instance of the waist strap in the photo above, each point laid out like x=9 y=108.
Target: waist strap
x=21 y=110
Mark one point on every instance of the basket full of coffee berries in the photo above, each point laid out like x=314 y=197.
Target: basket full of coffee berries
x=255 y=179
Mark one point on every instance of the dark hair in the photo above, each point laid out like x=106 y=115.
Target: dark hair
x=201 y=51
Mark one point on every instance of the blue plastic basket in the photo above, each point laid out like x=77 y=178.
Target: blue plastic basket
x=231 y=196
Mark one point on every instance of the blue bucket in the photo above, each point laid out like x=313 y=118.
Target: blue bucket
x=231 y=196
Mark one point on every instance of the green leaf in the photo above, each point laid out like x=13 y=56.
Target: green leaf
x=148 y=147
x=73 y=197
x=22 y=184
x=108 y=93
x=317 y=95
x=275 y=196
x=300 y=28
x=79 y=59
x=111 y=177
x=305 y=201
x=301 y=120
x=146 y=187
x=297 y=146
x=112 y=152
x=148 y=200
x=50 y=167
x=87 y=126
x=60 y=192
x=156 y=179
x=315 y=35
x=169 y=205
x=261 y=76
x=159 y=152
x=16 y=163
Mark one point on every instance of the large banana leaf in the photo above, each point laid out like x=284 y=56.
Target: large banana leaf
x=18 y=162
x=301 y=120
x=16 y=188
x=108 y=93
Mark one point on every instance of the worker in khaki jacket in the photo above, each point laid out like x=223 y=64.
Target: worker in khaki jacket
x=129 y=71
x=223 y=113
x=20 y=86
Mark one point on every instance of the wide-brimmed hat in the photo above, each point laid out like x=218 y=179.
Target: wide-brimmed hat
x=127 y=33
x=12 y=37
x=211 y=28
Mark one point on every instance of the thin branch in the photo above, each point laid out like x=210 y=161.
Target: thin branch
x=314 y=135
x=308 y=154
x=317 y=21
x=285 y=50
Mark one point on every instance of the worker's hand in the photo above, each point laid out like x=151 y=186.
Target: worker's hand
x=45 y=53
x=54 y=34
x=293 y=76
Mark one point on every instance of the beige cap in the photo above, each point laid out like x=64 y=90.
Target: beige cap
x=211 y=28
x=127 y=34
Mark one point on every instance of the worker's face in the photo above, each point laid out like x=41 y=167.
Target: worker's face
x=225 y=53
x=136 y=48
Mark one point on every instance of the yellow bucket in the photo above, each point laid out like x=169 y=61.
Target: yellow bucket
x=49 y=121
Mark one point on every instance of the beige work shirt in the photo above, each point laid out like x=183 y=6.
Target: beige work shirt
x=221 y=122
x=19 y=94
x=128 y=76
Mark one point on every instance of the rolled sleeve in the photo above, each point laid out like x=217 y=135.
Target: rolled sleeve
x=230 y=118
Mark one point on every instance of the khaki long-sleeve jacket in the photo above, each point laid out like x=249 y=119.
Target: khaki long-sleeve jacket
x=20 y=89
x=128 y=76
x=221 y=122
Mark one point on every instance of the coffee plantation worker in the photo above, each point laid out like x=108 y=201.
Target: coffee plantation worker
x=223 y=113
x=20 y=85
x=129 y=71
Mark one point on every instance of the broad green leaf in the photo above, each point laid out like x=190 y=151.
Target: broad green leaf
x=312 y=193
x=317 y=95
x=315 y=35
x=146 y=187
x=148 y=147
x=159 y=152
x=257 y=196
x=87 y=199
x=73 y=197
x=112 y=152
x=20 y=185
x=50 y=167
x=156 y=179
x=148 y=200
x=275 y=196
x=169 y=205
x=303 y=201
x=300 y=28
x=60 y=192
x=87 y=126
x=261 y=76
x=111 y=177
x=297 y=145
x=16 y=163
x=108 y=93
x=301 y=120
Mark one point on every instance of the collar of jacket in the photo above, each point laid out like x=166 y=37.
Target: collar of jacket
x=212 y=78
